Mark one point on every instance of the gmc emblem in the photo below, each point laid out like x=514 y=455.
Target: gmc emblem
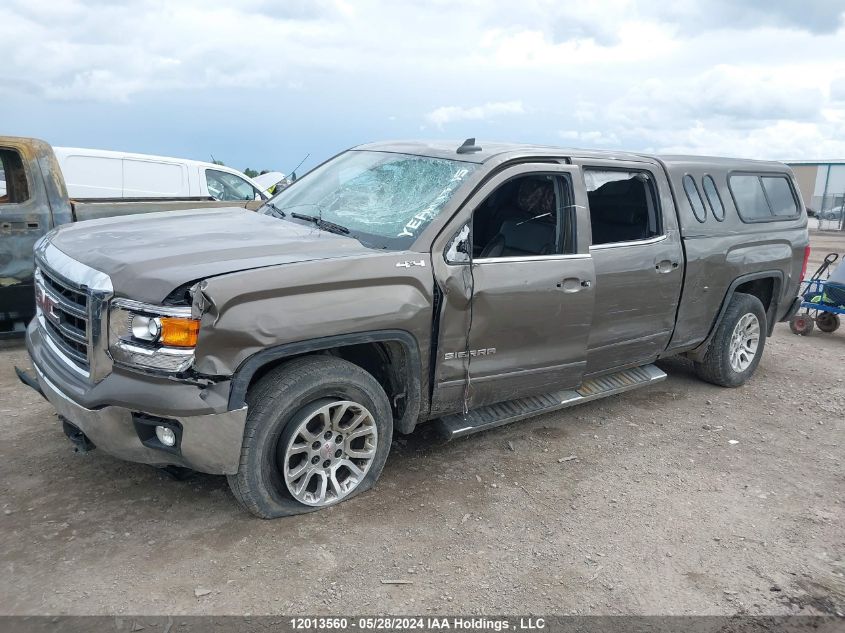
x=47 y=304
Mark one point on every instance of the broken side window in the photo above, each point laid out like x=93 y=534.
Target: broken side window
x=623 y=205
x=13 y=185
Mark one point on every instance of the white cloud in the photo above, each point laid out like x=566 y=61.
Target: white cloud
x=591 y=138
x=741 y=77
x=450 y=114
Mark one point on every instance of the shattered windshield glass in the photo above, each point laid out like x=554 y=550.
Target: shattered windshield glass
x=386 y=197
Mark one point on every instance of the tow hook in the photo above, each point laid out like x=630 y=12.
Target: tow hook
x=81 y=443
x=29 y=381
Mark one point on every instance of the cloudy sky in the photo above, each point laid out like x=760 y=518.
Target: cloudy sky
x=260 y=84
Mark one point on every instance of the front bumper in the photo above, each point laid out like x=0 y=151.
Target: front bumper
x=210 y=440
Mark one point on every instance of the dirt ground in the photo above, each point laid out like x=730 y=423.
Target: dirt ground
x=682 y=498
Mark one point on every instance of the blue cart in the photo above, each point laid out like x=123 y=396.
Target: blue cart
x=823 y=299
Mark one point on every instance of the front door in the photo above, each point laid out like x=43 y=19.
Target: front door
x=517 y=284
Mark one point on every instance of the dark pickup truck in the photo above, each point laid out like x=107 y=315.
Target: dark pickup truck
x=33 y=200
x=399 y=283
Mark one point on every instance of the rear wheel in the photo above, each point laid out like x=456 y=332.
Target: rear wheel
x=318 y=431
x=737 y=345
x=801 y=324
x=827 y=321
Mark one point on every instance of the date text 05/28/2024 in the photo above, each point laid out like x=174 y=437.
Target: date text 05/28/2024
x=386 y=623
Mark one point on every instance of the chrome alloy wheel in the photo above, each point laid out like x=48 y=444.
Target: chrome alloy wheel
x=329 y=453
x=744 y=341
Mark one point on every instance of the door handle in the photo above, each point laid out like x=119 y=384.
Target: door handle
x=574 y=284
x=665 y=266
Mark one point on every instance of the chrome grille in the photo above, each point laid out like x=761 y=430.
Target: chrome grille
x=64 y=315
x=73 y=301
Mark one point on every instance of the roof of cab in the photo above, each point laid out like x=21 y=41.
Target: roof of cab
x=448 y=149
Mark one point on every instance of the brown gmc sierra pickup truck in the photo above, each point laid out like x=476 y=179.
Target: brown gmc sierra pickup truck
x=404 y=282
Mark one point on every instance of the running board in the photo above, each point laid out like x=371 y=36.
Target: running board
x=501 y=413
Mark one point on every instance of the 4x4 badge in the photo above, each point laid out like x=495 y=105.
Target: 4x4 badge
x=411 y=263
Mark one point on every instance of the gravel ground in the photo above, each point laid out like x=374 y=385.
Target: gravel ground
x=681 y=498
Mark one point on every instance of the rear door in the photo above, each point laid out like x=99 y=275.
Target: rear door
x=154 y=179
x=513 y=325
x=639 y=263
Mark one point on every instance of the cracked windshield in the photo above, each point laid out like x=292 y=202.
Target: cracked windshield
x=386 y=196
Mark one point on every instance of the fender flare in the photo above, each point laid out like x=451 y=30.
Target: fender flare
x=699 y=351
x=243 y=375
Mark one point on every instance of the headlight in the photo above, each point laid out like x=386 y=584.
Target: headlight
x=145 y=328
x=152 y=337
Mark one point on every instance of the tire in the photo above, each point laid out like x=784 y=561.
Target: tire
x=827 y=322
x=284 y=400
x=734 y=334
x=801 y=324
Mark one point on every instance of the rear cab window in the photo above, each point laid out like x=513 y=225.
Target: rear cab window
x=763 y=197
x=13 y=185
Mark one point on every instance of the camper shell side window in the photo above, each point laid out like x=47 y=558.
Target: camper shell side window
x=763 y=197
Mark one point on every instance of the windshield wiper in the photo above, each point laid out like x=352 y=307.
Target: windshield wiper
x=331 y=227
x=276 y=210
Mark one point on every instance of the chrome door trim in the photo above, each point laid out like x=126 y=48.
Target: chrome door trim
x=652 y=240
x=529 y=258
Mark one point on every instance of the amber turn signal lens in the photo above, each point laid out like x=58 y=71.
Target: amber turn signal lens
x=176 y=332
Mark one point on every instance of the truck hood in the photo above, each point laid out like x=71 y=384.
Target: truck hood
x=148 y=256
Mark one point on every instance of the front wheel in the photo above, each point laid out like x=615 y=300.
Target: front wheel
x=318 y=432
x=737 y=345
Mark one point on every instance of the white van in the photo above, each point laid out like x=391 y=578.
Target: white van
x=96 y=173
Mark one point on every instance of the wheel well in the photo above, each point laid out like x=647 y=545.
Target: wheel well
x=762 y=288
x=386 y=361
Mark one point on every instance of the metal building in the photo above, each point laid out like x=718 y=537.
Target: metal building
x=822 y=184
